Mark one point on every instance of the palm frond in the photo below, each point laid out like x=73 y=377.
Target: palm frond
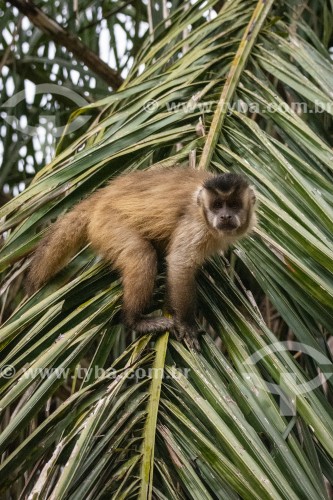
x=206 y=426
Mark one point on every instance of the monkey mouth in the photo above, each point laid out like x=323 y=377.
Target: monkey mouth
x=227 y=227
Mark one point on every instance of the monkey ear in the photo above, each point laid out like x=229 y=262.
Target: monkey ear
x=253 y=196
x=198 y=196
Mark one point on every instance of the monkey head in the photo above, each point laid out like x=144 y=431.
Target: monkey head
x=227 y=202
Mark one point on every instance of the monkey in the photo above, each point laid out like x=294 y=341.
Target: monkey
x=187 y=214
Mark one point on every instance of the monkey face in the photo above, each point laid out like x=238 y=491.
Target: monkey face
x=227 y=201
x=225 y=215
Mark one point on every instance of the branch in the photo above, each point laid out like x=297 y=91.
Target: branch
x=71 y=42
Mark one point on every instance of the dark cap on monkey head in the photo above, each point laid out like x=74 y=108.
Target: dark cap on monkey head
x=226 y=182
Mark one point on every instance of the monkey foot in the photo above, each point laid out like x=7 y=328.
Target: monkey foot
x=181 y=332
x=189 y=335
x=153 y=325
x=192 y=342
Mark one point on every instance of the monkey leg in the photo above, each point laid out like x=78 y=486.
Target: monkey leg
x=136 y=259
x=139 y=276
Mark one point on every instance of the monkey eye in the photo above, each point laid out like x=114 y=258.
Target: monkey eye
x=235 y=206
x=217 y=204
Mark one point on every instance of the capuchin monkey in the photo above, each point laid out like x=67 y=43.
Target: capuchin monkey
x=188 y=214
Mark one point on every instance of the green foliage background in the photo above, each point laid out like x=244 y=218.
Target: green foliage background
x=256 y=78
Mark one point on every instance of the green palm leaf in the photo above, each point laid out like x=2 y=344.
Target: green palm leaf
x=149 y=417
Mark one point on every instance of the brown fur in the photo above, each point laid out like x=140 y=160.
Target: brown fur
x=126 y=222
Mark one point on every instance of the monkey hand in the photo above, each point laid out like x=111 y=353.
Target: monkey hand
x=188 y=333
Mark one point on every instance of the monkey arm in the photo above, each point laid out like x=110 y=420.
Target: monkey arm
x=181 y=293
x=183 y=260
x=181 y=300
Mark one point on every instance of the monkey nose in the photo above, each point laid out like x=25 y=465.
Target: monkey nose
x=225 y=217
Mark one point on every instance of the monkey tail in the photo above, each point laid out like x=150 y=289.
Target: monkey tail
x=62 y=241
